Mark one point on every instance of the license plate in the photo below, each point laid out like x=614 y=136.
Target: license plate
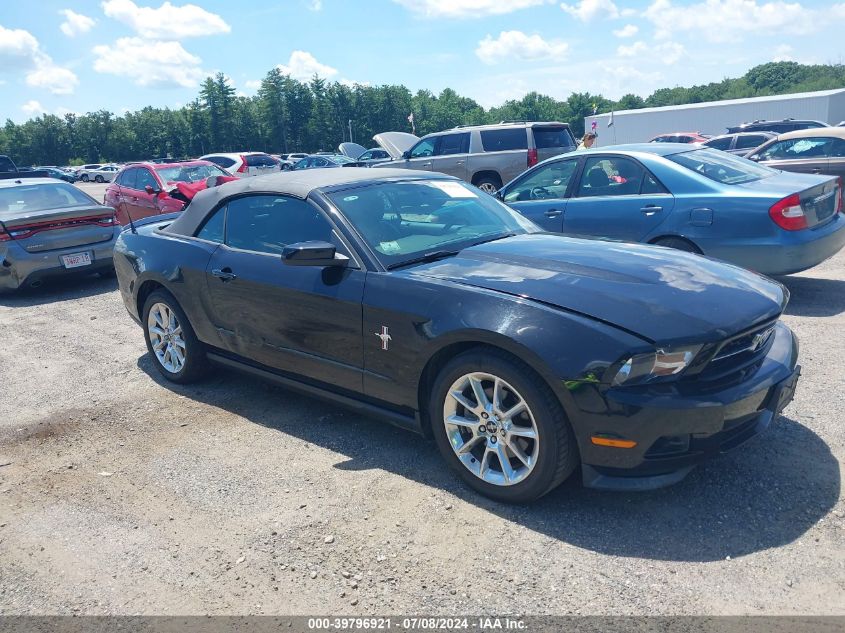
x=75 y=260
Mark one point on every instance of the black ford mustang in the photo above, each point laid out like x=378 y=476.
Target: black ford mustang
x=415 y=297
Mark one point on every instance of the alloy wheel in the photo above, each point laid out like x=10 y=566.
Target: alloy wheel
x=491 y=428
x=488 y=187
x=166 y=337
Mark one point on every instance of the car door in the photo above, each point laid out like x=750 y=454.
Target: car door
x=616 y=197
x=836 y=160
x=807 y=155
x=421 y=154
x=300 y=319
x=451 y=155
x=541 y=194
x=138 y=203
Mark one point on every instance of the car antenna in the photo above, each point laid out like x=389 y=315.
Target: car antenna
x=131 y=223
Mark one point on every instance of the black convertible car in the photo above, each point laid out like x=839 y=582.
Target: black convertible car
x=415 y=297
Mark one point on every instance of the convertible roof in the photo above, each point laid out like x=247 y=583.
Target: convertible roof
x=298 y=183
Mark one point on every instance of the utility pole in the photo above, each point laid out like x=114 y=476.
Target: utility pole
x=350 y=130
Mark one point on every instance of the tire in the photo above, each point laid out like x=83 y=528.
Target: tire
x=678 y=243
x=98 y=178
x=84 y=177
x=552 y=453
x=194 y=363
x=489 y=184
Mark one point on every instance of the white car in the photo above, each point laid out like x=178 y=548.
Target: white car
x=82 y=173
x=243 y=164
x=106 y=173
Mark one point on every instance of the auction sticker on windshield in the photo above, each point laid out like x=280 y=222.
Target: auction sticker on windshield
x=75 y=260
x=453 y=189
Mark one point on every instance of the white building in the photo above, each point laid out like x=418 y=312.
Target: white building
x=714 y=117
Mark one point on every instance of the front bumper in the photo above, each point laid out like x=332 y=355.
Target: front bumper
x=20 y=269
x=675 y=429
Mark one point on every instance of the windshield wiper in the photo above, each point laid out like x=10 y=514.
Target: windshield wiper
x=500 y=236
x=428 y=257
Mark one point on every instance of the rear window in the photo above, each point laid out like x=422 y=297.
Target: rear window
x=721 y=167
x=548 y=137
x=6 y=164
x=189 y=173
x=503 y=140
x=719 y=143
x=30 y=198
x=750 y=141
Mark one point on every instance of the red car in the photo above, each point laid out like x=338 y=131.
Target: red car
x=680 y=137
x=144 y=189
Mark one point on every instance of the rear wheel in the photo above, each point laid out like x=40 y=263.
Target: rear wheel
x=678 y=243
x=84 y=178
x=178 y=354
x=488 y=184
x=499 y=426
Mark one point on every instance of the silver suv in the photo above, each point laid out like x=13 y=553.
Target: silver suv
x=485 y=155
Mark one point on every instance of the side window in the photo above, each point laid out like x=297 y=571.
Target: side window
x=144 y=179
x=552 y=137
x=222 y=161
x=266 y=223
x=610 y=176
x=453 y=144
x=837 y=150
x=547 y=182
x=722 y=143
x=797 y=149
x=212 y=230
x=424 y=148
x=749 y=141
x=128 y=178
x=651 y=186
x=365 y=156
x=504 y=139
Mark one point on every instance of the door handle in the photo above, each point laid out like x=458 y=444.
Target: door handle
x=817 y=170
x=134 y=198
x=650 y=209
x=224 y=274
x=426 y=164
x=552 y=213
x=459 y=162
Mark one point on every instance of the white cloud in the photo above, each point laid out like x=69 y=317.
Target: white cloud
x=75 y=23
x=303 y=65
x=168 y=22
x=725 y=20
x=783 y=53
x=315 y=5
x=150 y=64
x=516 y=45
x=466 y=8
x=629 y=30
x=33 y=108
x=588 y=10
x=18 y=48
x=252 y=84
x=58 y=80
x=668 y=53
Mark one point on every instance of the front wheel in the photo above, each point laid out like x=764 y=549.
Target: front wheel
x=488 y=184
x=98 y=178
x=177 y=352
x=500 y=427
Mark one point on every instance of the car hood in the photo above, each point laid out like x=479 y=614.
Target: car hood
x=396 y=143
x=660 y=294
x=353 y=150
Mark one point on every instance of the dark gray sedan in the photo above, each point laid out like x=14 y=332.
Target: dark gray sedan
x=50 y=228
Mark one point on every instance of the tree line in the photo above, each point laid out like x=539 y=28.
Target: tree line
x=287 y=115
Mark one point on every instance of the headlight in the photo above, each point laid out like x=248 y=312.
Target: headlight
x=661 y=363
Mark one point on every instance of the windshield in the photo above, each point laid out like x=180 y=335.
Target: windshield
x=401 y=221
x=721 y=166
x=189 y=173
x=40 y=197
x=340 y=159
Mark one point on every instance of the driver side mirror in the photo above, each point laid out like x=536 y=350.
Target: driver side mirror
x=406 y=154
x=754 y=157
x=314 y=253
x=151 y=191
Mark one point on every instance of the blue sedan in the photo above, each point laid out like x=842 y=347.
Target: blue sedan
x=687 y=197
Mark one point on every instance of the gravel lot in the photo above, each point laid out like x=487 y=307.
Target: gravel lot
x=120 y=494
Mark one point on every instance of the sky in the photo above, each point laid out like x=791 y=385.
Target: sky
x=58 y=56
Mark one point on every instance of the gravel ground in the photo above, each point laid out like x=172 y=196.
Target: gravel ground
x=120 y=494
